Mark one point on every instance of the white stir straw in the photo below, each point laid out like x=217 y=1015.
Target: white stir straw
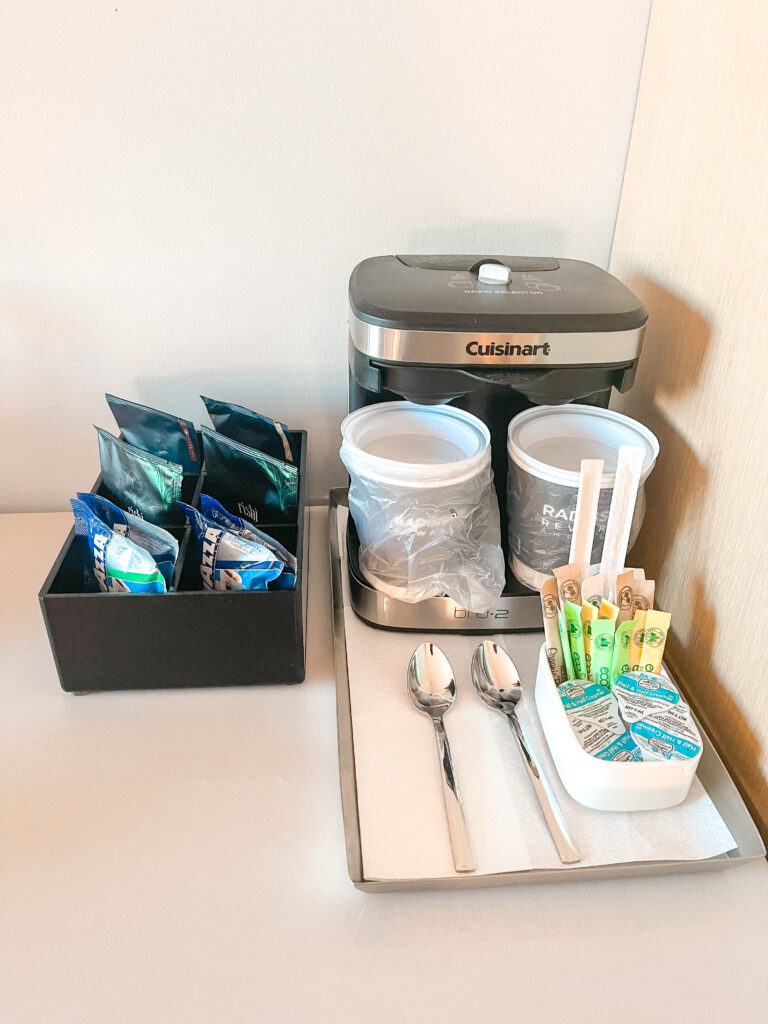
x=628 y=469
x=586 y=514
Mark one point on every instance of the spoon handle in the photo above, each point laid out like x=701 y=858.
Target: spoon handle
x=463 y=856
x=547 y=800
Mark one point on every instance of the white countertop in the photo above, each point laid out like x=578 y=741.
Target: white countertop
x=179 y=856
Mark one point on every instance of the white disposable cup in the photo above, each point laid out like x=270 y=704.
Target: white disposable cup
x=422 y=446
x=421 y=498
x=546 y=445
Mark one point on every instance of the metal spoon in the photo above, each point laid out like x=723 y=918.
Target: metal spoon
x=497 y=683
x=432 y=690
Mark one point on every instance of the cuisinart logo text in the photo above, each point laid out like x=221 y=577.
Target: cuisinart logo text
x=474 y=348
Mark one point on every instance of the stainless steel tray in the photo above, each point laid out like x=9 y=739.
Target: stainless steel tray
x=711 y=772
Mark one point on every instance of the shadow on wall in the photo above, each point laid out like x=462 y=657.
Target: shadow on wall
x=676 y=490
x=720 y=713
x=679 y=480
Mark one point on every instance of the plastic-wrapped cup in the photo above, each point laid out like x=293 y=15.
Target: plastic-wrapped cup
x=422 y=499
x=546 y=445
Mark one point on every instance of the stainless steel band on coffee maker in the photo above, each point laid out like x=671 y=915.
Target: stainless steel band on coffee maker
x=469 y=348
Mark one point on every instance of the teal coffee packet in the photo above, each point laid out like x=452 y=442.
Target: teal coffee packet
x=252 y=429
x=139 y=482
x=160 y=433
x=248 y=482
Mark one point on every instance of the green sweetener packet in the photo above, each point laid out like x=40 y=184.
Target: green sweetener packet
x=567 y=659
x=620 y=659
x=602 y=633
x=574 y=628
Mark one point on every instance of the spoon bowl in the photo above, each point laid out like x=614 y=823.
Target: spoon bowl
x=495 y=677
x=431 y=685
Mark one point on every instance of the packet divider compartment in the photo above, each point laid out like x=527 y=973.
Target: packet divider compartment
x=187 y=636
x=606 y=785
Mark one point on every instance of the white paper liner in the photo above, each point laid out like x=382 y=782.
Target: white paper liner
x=403 y=831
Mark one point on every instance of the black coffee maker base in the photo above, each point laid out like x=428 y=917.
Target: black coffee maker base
x=517 y=610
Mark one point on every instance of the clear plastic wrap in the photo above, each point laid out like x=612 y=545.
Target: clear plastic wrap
x=419 y=541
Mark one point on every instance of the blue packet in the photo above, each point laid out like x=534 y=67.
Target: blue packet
x=161 y=545
x=261 y=488
x=216 y=512
x=252 y=429
x=229 y=561
x=160 y=433
x=119 y=565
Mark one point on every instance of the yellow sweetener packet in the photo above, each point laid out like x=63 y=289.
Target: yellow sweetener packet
x=607 y=610
x=652 y=642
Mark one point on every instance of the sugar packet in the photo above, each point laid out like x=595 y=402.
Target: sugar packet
x=568 y=583
x=572 y=614
x=552 y=641
x=646 y=649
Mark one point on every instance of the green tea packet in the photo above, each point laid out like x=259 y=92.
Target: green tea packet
x=248 y=482
x=253 y=429
x=139 y=482
x=160 y=433
x=620 y=659
x=573 y=624
x=602 y=633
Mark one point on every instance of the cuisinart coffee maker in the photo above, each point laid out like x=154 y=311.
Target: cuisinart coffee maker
x=493 y=335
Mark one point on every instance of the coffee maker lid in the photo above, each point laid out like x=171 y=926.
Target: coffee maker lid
x=491 y=294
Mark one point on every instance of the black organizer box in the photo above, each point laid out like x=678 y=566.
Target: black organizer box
x=188 y=636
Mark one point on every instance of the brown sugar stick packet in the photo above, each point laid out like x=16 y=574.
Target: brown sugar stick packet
x=568 y=584
x=643 y=593
x=593 y=589
x=625 y=584
x=553 y=644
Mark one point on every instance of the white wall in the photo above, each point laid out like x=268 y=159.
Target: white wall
x=185 y=187
x=690 y=240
